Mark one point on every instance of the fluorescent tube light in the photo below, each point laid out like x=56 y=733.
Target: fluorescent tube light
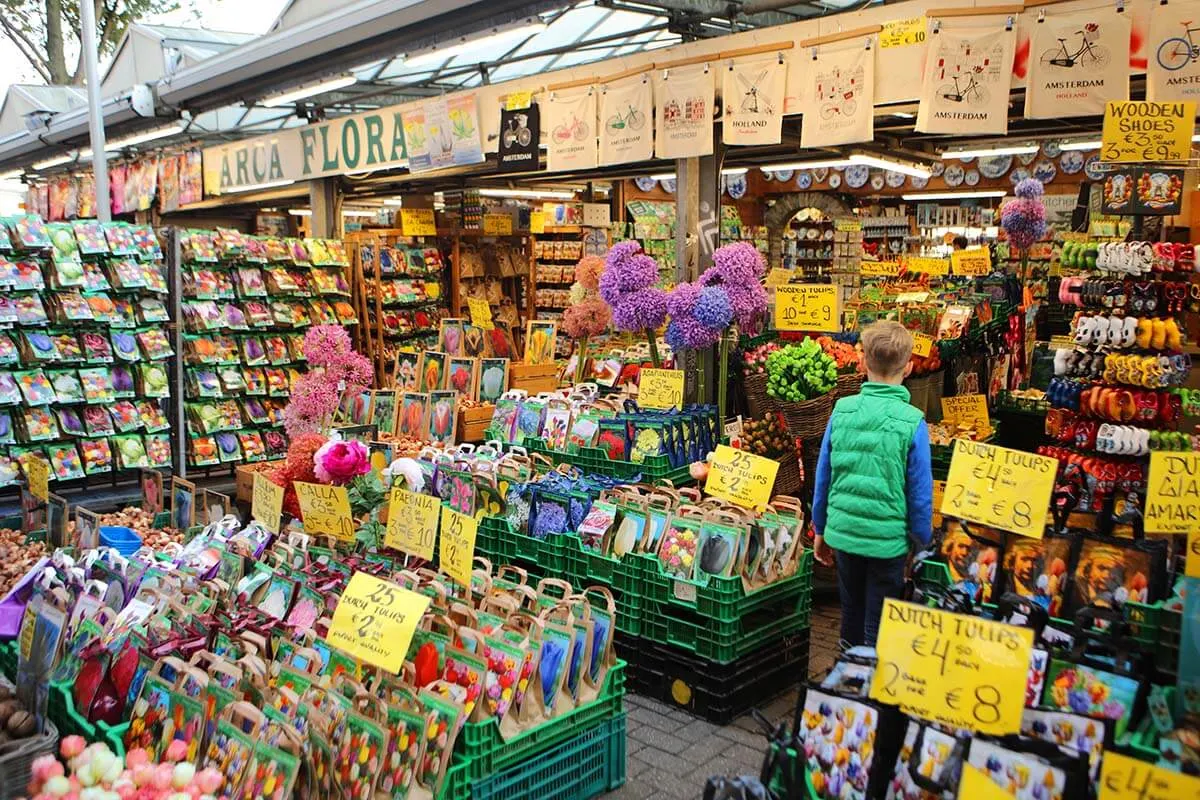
x=393 y=201
x=147 y=136
x=954 y=195
x=355 y=212
x=254 y=187
x=55 y=162
x=666 y=176
x=527 y=194
x=8 y=176
x=904 y=115
x=735 y=171
x=441 y=53
x=916 y=170
x=300 y=212
x=1090 y=144
x=340 y=82
x=795 y=165
x=984 y=152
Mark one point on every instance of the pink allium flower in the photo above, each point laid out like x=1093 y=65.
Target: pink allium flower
x=340 y=462
x=588 y=272
x=589 y=317
x=325 y=345
x=355 y=370
x=314 y=398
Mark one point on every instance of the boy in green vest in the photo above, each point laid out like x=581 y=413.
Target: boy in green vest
x=874 y=487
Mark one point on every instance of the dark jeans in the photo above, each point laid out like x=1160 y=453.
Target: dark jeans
x=863 y=583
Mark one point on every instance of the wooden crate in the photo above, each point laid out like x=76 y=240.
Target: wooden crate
x=533 y=378
x=473 y=423
x=245 y=478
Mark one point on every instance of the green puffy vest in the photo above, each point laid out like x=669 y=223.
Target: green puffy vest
x=868 y=453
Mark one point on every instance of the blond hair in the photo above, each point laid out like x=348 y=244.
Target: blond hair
x=887 y=347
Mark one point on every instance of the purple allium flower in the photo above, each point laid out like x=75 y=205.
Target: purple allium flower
x=713 y=309
x=1030 y=189
x=1024 y=220
x=686 y=333
x=627 y=270
x=640 y=310
x=740 y=260
x=682 y=298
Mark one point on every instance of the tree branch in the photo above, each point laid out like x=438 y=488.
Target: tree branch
x=28 y=48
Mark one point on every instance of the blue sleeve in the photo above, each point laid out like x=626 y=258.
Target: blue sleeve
x=821 y=484
x=920 y=487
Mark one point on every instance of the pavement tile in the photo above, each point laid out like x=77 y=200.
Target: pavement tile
x=653 y=737
x=666 y=763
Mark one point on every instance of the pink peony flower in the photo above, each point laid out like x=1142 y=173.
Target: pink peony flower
x=339 y=462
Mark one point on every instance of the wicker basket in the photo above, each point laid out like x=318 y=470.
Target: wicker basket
x=757 y=401
x=16 y=761
x=807 y=420
x=789 y=479
x=850 y=384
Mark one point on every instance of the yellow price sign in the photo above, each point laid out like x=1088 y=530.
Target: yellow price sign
x=481 y=313
x=1138 y=131
x=879 y=269
x=456 y=553
x=418 y=222
x=912 y=297
x=975 y=785
x=1007 y=489
x=807 y=307
x=1192 y=566
x=1125 y=778
x=660 y=388
x=922 y=345
x=497 y=224
x=929 y=266
x=412 y=523
x=847 y=225
x=967 y=409
x=375 y=620
x=515 y=101
x=902 y=32
x=741 y=477
x=1173 y=493
x=778 y=276
x=266 y=503
x=953 y=669
x=325 y=510
x=971 y=262
x=537 y=221
x=37 y=471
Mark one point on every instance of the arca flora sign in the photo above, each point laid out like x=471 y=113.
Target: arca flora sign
x=368 y=141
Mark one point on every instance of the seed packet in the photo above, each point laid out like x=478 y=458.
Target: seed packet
x=528 y=423
x=120 y=239
x=9 y=355
x=67 y=347
x=97 y=421
x=235 y=318
x=153 y=381
x=613 y=438
x=38 y=346
x=7 y=433
x=146 y=242
x=202 y=451
x=67 y=387
x=125 y=346
x=97 y=385
x=30 y=310
x=102 y=308
x=275 y=442
x=345 y=313
x=677 y=553
x=36 y=387
x=89 y=234
x=158 y=450
x=28 y=232
x=277 y=383
x=123 y=381
x=94 y=279
x=152 y=417
x=39 y=424
x=64 y=248
x=151 y=309
x=228 y=448
x=125 y=273
x=255 y=380
x=10 y=392
x=70 y=307
x=97 y=456
x=8 y=310
x=198 y=247
x=154 y=344
x=252 y=445
x=1092 y=691
x=96 y=348
x=70 y=422
x=65 y=461
x=718 y=549
x=253 y=352
x=442 y=415
x=126 y=314
x=299 y=315
x=66 y=274
x=27 y=276
x=130 y=451
x=594 y=530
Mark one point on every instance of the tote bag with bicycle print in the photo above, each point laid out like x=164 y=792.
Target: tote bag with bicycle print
x=841 y=98
x=968 y=74
x=626 y=114
x=752 y=102
x=1173 y=53
x=569 y=131
x=1077 y=63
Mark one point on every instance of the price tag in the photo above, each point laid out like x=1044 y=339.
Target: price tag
x=518 y=100
x=537 y=221
x=660 y=388
x=481 y=313
x=1007 y=489
x=929 y=266
x=325 y=510
x=967 y=409
x=902 y=32
x=38 y=472
x=953 y=669
x=1125 y=778
x=971 y=262
x=1173 y=493
x=847 y=225
x=778 y=276
x=266 y=503
x=922 y=345
x=1192 y=567
x=418 y=222
x=375 y=620
x=879 y=269
x=497 y=224
x=684 y=591
x=741 y=477
x=807 y=307
x=912 y=297
x=412 y=523
x=457 y=550
x=974 y=785
x=1138 y=131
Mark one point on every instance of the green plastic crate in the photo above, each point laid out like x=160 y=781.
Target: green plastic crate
x=596 y=461
x=724 y=599
x=498 y=541
x=62 y=712
x=485 y=752
x=8 y=659
x=587 y=766
x=455 y=786
x=724 y=641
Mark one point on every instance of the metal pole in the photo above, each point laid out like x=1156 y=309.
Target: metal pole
x=87 y=39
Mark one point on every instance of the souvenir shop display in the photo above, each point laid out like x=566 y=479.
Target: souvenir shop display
x=86 y=352
x=246 y=304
